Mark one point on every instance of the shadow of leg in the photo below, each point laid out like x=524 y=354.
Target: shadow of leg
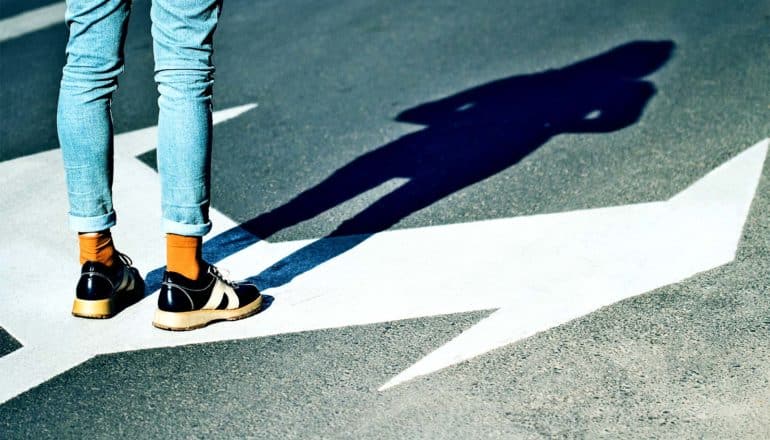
x=305 y=259
x=353 y=179
x=381 y=215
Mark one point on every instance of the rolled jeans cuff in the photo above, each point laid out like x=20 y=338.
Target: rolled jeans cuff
x=174 y=227
x=92 y=224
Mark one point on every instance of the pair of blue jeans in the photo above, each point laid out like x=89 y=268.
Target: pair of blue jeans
x=182 y=32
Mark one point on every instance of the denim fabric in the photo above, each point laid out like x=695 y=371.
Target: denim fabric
x=182 y=32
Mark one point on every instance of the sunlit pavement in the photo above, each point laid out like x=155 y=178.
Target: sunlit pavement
x=509 y=220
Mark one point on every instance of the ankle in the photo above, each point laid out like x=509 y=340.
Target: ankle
x=97 y=247
x=183 y=255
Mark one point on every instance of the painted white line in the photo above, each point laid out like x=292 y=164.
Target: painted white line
x=32 y=21
x=538 y=271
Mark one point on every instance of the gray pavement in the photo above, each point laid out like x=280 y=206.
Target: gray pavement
x=689 y=360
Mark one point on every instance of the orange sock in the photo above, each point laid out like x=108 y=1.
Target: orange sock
x=183 y=255
x=96 y=246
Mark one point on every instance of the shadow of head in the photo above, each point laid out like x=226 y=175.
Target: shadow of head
x=636 y=59
x=607 y=90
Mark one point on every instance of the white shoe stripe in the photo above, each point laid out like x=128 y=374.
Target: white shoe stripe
x=217 y=292
x=232 y=298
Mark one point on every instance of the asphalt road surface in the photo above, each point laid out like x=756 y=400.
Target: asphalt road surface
x=398 y=115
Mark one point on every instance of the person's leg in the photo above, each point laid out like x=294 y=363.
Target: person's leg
x=97 y=30
x=182 y=34
x=193 y=293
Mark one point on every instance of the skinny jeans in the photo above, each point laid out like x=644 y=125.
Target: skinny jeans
x=182 y=33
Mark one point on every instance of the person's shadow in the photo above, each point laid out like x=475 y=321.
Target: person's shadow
x=467 y=137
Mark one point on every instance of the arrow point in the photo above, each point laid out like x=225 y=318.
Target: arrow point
x=714 y=209
x=733 y=183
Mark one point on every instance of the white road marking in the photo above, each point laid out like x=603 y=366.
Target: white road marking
x=538 y=271
x=32 y=21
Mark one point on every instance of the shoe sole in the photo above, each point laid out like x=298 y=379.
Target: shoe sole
x=94 y=309
x=181 y=321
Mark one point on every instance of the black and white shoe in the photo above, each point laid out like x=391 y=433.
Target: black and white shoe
x=103 y=291
x=186 y=304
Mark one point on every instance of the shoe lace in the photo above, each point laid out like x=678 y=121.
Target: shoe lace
x=223 y=275
x=124 y=258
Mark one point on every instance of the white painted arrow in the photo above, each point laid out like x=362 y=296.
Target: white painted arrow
x=537 y=271
x=32 y=21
